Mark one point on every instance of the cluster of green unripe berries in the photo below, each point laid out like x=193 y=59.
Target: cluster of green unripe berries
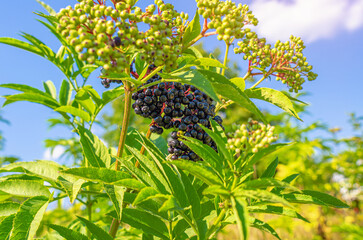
x=226 y=17
x=284 y=60
x=109 y=36
x=252 y=136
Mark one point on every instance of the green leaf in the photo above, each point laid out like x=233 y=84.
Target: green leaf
x=288 y=179
x=102 y=175
x=195 y=78
x=71 y=185
x=131 y=183
x=23 y=188
x=203 y=173
x=50 y=88
x=229 y=90
x=67 y=233
x=48 y=170
x=192 y=31
x=208 y=62
x=20 y=44
x=171 y=204
x=94 y=149
x=262 y=195
x=116 y=194
x=240 y=212
x=8 y=208
x=112 y=94
x=65 y=93
x=23 y=88
x=96 y=231
x=48 y=8
x=145 y=221
x=267 y=182
x=314 y=197
x=145 y=194
x=276 y=210
x=263 y=226
x=85 y=101
x=6 y=225
x=32 y=97
x=271 y=169
x=192 y=195
x=216 y=190
x=75 y=112
x=28 y=218
x=207 y=153
x=239 y=82
x=275 y=97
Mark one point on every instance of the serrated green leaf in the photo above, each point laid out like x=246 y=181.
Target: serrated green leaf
x=65 y=93
x=144 y=194
x=208 y=62
x=75 y=112
x=216 y=190
x=28 y=218
x=8 y=208
x=145 y=221
x=23 y=188
x=131 y=183
x=102 y=175
x=275 y=97
x=94 y=149
x=203 y=173
x=50 y=89
x=229 y=90
x=240 y=212
x=263 y=226
x=67 y=233
x=85 y=101
x=6 y=225
x=116 y=194
x=42 y=168
x=21 y=44
x=288 y=179
x=276 y=210
x=23 y=88
x=314 y=197
x=71 y=185
x=267 y=182
x=192 y=195
x=96 y=231
x=112 y=94
x=192 y=31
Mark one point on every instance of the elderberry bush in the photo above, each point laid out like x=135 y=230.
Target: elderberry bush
x=177 y=106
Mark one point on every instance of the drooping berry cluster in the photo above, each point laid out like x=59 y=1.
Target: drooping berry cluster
x=109 y=35
x=252 y=137
x=226 y=17
x=178 y=106
x=285 y=61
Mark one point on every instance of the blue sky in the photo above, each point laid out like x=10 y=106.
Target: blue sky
x=333 y=30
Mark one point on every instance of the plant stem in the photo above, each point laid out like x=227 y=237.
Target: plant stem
x=258 y=82
x=125 y=123
x=216 y=223
x=225 y=58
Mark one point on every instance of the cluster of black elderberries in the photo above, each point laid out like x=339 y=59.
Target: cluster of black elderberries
x=173 y=105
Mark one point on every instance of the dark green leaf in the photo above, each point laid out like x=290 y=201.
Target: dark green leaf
x=271 y=169
x=28 y=218
x=206 y=175
x=67 y=233
x=314 y=197
x=112 y=94
x=275 y=97
x=276 y=210
x=116 y=194
x=216 y=190
x=85 y=101
x=96 y=231
x=267 y=182
x=192 y=195
x=8 y=208
x=94 y=149
x=261 y=195
x=144 y=194
x=171 y=204
x=145 y=221
x=6 y=225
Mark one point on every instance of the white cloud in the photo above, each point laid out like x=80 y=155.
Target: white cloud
x=310 y=19
x=57 y=152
